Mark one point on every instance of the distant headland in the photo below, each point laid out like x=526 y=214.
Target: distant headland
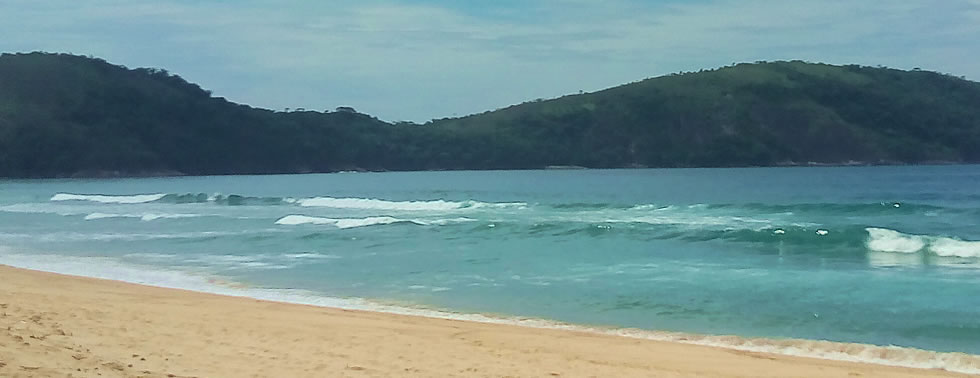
x=64 y=115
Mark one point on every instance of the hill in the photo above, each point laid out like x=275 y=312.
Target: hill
x=750 y=114
x=64 y=115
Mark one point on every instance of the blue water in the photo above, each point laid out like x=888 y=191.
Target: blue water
x=875 y=255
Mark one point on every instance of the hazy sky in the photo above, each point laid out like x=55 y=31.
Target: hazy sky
x=417 y=60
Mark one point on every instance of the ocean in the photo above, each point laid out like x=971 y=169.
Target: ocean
x=885 y=260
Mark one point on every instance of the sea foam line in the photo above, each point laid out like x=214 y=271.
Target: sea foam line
x=378 y=204
x=127 y=199
x=105 y=268
x=343 y=223
x=143 y=217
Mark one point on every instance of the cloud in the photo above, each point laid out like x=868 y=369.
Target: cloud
x=427 y=59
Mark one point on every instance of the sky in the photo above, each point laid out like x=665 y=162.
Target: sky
x=418 y=60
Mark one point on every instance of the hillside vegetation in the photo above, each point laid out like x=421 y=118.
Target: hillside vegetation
x=63 y=115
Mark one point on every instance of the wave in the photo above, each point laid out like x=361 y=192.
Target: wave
x=621 y=213
x=877 y=208
x=329 y=202
x=311 y=256
x=885 y=240
x=228 y=200
x=142 y=217
x=122 y=199
x=696 y=221
x=867 y=209
x=378 y=204
x=38 y=208
x=295 y=220
x=105 y=268
x=839 y=240
x=344 y=223
x=948 y=247
x=174 y=198
x=65 y=236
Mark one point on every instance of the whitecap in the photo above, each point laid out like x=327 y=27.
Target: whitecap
x=885 y=240
x=378 y=204
x=442 y=222
x=122 y=199
x=95 y=216
x=295 y=220
x=142 y=217
x=311 y=256
x=39 y=208
x=152 y=217
x=343 y=223
x=948 y=247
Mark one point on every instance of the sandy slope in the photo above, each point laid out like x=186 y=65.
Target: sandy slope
x=53 y=325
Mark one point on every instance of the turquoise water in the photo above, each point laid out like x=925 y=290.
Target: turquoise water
x=873 y=255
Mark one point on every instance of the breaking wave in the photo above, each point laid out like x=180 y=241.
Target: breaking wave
x=885 y=240
x=329 y=202
x=377 y=204
x=142 y=217
x=343 y=223
x=131 y=199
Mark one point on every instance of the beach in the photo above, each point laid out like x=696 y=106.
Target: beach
x=57 y=325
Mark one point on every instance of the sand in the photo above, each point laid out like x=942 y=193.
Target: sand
x=57 y=326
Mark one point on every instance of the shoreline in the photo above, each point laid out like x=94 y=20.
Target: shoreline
x=546 y=334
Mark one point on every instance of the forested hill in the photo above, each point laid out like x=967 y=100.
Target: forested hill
x=63 y=115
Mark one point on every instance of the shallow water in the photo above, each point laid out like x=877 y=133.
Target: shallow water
x=876 y=255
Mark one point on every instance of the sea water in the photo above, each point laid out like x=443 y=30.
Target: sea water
x=761 y=258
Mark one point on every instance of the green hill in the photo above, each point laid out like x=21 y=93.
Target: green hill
x=749 y=114
x=63 y=115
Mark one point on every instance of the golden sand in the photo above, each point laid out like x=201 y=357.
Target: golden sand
x=57 y=326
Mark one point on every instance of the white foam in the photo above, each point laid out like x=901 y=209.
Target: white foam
x=152 y=256
x=248 y=262
x=152 y=217
x=132 y=199
x=143 y=217
x=377 y=204
x=106 y=268
x=311 y=256
x=443 y=222
x=295 y=220
x=40 y=208
x=652 y=207
x=343 y=223
x=885 y=240
x=66 y=236
x=685 y=220
x=95 y=216
x=371 y=221
x=948 y=247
